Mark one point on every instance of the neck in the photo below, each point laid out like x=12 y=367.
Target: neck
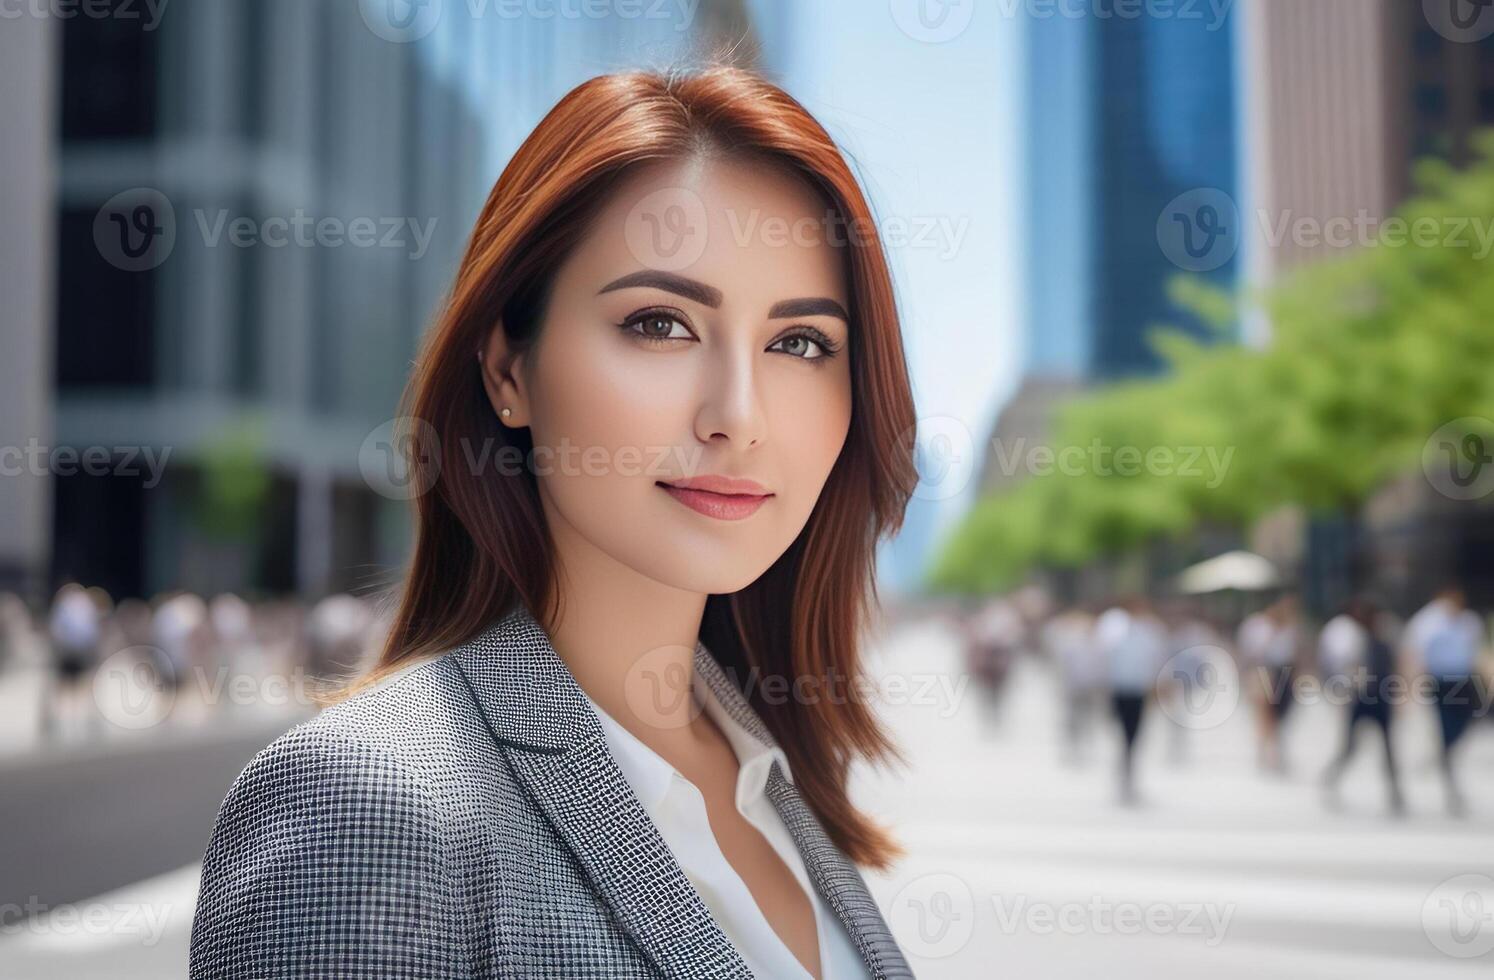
x=629 y=640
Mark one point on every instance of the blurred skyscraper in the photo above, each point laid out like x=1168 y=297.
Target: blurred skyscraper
x=1124 y=116
x=198 y=289
x=1343 y=97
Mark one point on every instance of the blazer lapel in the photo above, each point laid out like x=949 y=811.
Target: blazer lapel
x=540 y=719
x=835 y=877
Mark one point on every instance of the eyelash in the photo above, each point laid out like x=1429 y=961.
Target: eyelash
x=828 y=347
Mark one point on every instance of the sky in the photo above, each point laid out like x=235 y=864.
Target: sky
x=932 y=129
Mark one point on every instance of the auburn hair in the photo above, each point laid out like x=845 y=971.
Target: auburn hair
x=481 y=542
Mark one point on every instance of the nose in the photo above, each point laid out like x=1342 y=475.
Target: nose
x=731 y=404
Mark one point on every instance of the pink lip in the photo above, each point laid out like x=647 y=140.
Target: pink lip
x=720 y=484
x=718 y=496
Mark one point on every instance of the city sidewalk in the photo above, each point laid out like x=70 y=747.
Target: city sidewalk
x=1020 y=866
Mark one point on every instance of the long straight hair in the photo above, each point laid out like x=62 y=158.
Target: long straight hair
x=482 y=545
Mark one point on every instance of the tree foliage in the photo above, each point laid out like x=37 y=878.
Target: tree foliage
x=1370 y=354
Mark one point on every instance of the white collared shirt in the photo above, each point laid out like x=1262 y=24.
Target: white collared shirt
x=678 y=810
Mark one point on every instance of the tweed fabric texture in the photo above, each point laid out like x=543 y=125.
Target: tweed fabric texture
x=466 y=820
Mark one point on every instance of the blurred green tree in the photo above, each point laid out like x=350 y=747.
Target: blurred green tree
x=1370 y=354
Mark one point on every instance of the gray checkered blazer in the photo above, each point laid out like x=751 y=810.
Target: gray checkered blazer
x=466 y=820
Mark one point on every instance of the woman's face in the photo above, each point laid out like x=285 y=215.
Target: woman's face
x=699 y=330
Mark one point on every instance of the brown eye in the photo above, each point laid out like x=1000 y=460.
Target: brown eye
x=804 y=347
x=657 y=326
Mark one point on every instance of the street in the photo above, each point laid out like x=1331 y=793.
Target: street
x=1017 y=865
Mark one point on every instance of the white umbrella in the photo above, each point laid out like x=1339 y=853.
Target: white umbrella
x=1244 y=571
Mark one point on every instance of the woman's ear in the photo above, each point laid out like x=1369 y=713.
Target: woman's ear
x=502 y=378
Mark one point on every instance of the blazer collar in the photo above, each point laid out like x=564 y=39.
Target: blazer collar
x=544 y=723
x=651 y=776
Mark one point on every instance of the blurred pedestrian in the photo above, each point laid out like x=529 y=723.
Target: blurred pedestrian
x=74 y=628
x=994 y=632
x=15 y=631
x=1134 y=644
x=1267 y=642
x=1069 y=640
x=1447 y=638
x=231 y=625
x=1191 y=639
x=178 y=629
x=1353 y=648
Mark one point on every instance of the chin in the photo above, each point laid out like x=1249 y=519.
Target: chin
x=718 y=570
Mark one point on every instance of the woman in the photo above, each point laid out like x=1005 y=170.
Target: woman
x=662 y=424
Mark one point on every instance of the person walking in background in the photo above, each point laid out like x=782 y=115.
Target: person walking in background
x=74 y=629
x=1353 y=647
x=1133 y=642
x=231 y=625
x=15 y=631
x=1190 y=640
x=1267 y=643
x=1428 y=619
x=1446 y=637
x=994 y=632
x=178 y=629
x=1068 y=639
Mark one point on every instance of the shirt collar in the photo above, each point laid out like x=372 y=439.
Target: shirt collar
x=652 y=777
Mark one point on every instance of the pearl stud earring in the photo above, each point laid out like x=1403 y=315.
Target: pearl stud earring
x=506 y=412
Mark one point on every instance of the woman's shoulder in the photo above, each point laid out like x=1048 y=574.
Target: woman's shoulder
x=333 y=823
x=390 y=735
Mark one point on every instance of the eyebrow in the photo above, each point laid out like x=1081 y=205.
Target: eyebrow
x=693 y=289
